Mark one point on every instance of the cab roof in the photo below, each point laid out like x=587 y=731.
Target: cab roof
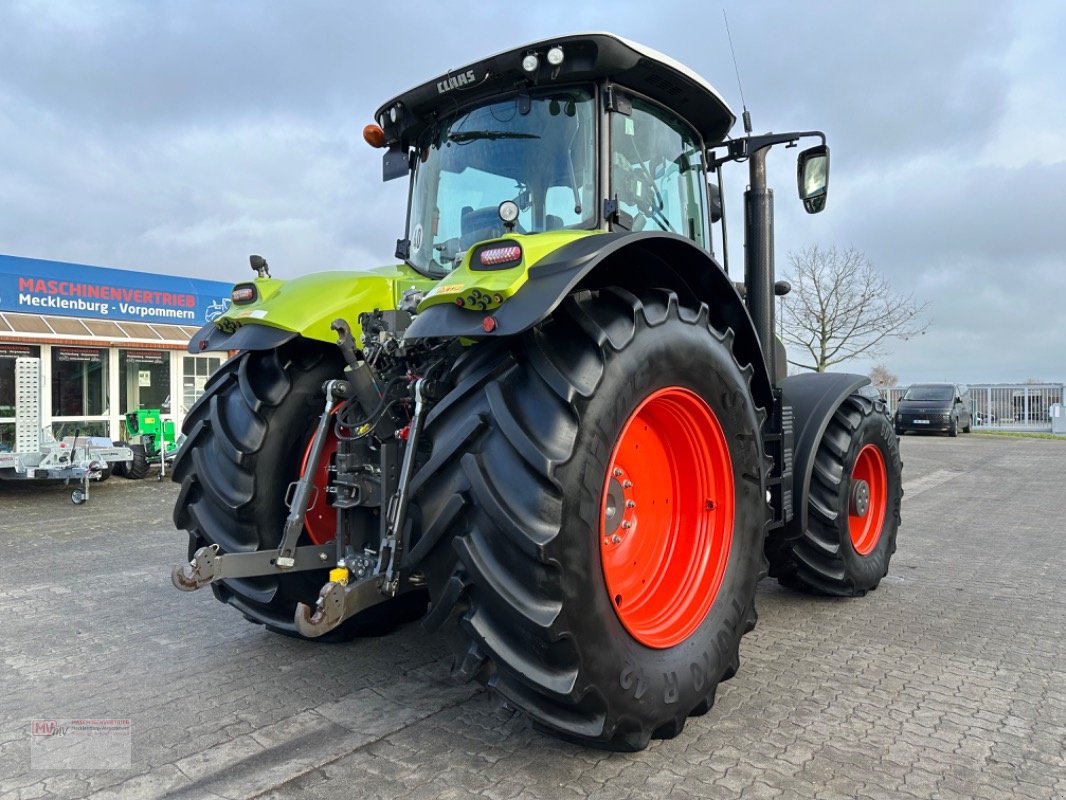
x=586 y=57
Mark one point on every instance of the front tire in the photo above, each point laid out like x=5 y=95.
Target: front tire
x=853 y=507
x=523 y=567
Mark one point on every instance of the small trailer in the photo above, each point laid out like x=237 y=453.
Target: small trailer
x=38 y=456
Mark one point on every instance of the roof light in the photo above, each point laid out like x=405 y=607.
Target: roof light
x=530 y=62
x=374 y=135
x=243 y=293
x=508 y=212
x=555 y=56
x=494 y=256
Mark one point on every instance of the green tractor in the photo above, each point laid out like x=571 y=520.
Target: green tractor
x=556 y=429
x=151 y=439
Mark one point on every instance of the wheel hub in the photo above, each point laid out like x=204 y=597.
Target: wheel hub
x=667 y=517
x=619 y=508
x=860 y=498
x=867 y=499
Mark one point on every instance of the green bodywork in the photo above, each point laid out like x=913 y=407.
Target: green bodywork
x=309 y=303
x=480 y=288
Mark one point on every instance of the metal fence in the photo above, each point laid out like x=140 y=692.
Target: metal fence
x=1002 y=406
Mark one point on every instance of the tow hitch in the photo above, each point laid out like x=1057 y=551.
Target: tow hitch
x=378 y=575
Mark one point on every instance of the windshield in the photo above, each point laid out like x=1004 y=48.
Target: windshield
x=930 y=393
x=542 y=158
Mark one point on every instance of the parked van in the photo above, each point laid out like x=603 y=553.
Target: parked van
x=935 y=407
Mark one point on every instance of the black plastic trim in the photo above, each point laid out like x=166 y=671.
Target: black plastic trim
x=250 y=336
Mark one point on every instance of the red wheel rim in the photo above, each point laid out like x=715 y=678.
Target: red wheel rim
x=320 y=522
x=666 y=517
x=866 y=518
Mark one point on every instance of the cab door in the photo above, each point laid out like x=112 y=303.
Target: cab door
x=656 y=171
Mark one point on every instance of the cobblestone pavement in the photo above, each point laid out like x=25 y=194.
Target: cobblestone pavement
x=949 y=681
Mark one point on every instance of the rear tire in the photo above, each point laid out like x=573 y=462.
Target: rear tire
x=840 y=553
x=514 y=494
x=246 y=438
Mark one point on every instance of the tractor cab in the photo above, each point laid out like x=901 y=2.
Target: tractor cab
x=578 y=134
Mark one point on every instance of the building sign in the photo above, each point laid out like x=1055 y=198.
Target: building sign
x=78 y=354
x=33 y=286
x=148 y=356
x=17 y=351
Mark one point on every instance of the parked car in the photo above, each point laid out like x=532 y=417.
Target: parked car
x=934 y=407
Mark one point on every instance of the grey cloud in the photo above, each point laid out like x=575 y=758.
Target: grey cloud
x=182 y=135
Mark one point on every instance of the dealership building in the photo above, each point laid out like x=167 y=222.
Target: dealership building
x=109 y=341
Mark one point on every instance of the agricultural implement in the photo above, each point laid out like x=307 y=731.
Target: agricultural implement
x=557 y=429
x=39 y=457
x=152 y=440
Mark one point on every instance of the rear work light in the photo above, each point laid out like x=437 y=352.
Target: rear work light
x=243 y=293
x=500 y=256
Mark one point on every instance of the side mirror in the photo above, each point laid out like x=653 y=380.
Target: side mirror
x=813 y=174
x=714 y=199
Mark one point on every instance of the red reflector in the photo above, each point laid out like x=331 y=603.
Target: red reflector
x=243 y=294
x=500 y=255
x=488 y=324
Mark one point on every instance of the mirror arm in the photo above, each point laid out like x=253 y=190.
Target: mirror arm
x=744 y=146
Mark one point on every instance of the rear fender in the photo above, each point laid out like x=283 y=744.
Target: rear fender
x=633 y=260
x=815 y=398
x=305 y=306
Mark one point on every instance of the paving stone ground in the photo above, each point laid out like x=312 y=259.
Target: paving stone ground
x=949 y=681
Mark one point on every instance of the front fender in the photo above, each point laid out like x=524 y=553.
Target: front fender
x=815 y=398
x=305 y=306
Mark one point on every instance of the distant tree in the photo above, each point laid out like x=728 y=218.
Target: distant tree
x=841 y=307
x=880 y=376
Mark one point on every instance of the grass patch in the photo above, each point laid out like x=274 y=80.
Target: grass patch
x=1022 y=435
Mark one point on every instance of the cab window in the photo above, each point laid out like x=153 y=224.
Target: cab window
x=657 y=172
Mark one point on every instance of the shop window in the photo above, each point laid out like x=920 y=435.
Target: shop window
x=79 y=382
x=197 y=369
x=8 y=354
x=144 y=380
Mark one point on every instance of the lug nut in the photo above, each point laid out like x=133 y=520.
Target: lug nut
x=627 y=524
x=617 y=472
x=627 y=484
x=616 y=539
x=631 y=504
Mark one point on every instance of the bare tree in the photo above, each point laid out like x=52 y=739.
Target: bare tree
x=880 y=376
x=841 y=307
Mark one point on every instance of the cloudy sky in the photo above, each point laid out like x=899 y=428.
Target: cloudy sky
x=179 y=136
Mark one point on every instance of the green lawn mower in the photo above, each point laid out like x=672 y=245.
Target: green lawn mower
x=152 y=440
